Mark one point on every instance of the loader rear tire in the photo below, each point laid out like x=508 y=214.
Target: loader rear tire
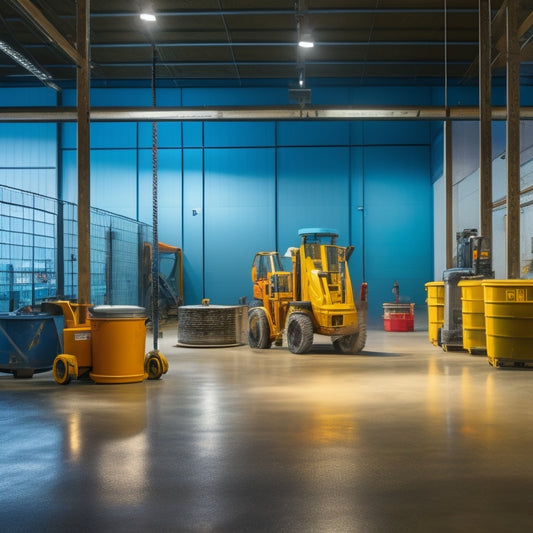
x=258 y=329
x=299 y=333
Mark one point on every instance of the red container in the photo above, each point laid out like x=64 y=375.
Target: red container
x=398 y=317
x=399 y=322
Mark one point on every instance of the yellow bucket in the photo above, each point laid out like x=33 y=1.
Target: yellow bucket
x=118 y=343
x=473 y=309
x=435 y=301
x=509 y=321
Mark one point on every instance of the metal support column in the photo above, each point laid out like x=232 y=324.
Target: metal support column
x=448 y=180
x=485 y=121
x=513 y=142
x=83 y=151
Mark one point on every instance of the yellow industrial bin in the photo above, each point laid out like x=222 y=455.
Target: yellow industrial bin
x=108 y=347
x=509 y=321
x=473 y=309
x=118 y=340
x=435 y=302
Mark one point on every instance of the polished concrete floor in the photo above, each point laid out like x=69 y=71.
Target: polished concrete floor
x=403 y=437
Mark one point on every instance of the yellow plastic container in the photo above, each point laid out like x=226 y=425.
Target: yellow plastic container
x=118 y=343
x=473 y=310
x=435 y=302
x=509 y=321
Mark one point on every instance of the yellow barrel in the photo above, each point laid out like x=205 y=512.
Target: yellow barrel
x=118 y=343
x=509 y=321
x=473 y=310
x=435 y=302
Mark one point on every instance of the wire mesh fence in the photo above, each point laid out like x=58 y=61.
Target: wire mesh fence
x=38 y=253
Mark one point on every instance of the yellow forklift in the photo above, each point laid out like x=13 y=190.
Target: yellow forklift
x=315 y=296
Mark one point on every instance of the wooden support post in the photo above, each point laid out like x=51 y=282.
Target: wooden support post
x=83 y=152
x=513 y=142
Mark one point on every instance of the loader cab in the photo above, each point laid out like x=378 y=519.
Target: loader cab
x=265 y=263
x=269 y=276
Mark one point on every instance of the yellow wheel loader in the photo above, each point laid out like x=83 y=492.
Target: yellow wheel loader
x=314 y=297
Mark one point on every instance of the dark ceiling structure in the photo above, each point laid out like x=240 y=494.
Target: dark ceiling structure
x=235 y=41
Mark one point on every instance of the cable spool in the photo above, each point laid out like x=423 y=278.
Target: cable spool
x=211 y=325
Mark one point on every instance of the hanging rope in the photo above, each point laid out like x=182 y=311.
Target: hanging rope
x=155 y=238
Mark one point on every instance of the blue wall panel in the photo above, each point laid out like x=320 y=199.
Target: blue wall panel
x=398 y=224
x=28 y=145
x=168 y=135
x=28 y=96
x=313 y=191
x=356 y=132
x=357 y=220
x=229 y=96
x=193 y=134
x=313 y=133
x=395 y=132
x=113 y=97
x=381 y=96
x=239 y=218
x=130 y=97
x=437 y=152
x=38 y=180
x=193 y=226
x=113 y=135
x=68 y=135
x=103 y=135
x=169 y=198
x=114 y=181
x=220 y=134
x=28 y=157
x=69 y=176
x=168 y=97
x=124 y=135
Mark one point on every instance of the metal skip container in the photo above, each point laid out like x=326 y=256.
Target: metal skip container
x=29 y=341
x=118 y=343
x=509 y=321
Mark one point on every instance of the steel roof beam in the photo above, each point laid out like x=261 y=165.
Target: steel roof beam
x=50 y=32
x=183 y=114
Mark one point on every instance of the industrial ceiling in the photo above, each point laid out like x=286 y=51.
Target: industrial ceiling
x=235 y=41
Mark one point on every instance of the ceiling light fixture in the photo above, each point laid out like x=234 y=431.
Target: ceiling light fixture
x=148 y=17
x=306 y=42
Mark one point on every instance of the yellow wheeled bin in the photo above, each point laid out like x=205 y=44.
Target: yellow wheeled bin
x=435 y=303
x=107 y=346
x=509 y=321
x=473 y=309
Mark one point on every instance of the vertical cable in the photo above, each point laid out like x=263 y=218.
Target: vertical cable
x=363 y=199
x=155 y=238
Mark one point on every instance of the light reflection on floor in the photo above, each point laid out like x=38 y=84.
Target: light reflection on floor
x=403 y=437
